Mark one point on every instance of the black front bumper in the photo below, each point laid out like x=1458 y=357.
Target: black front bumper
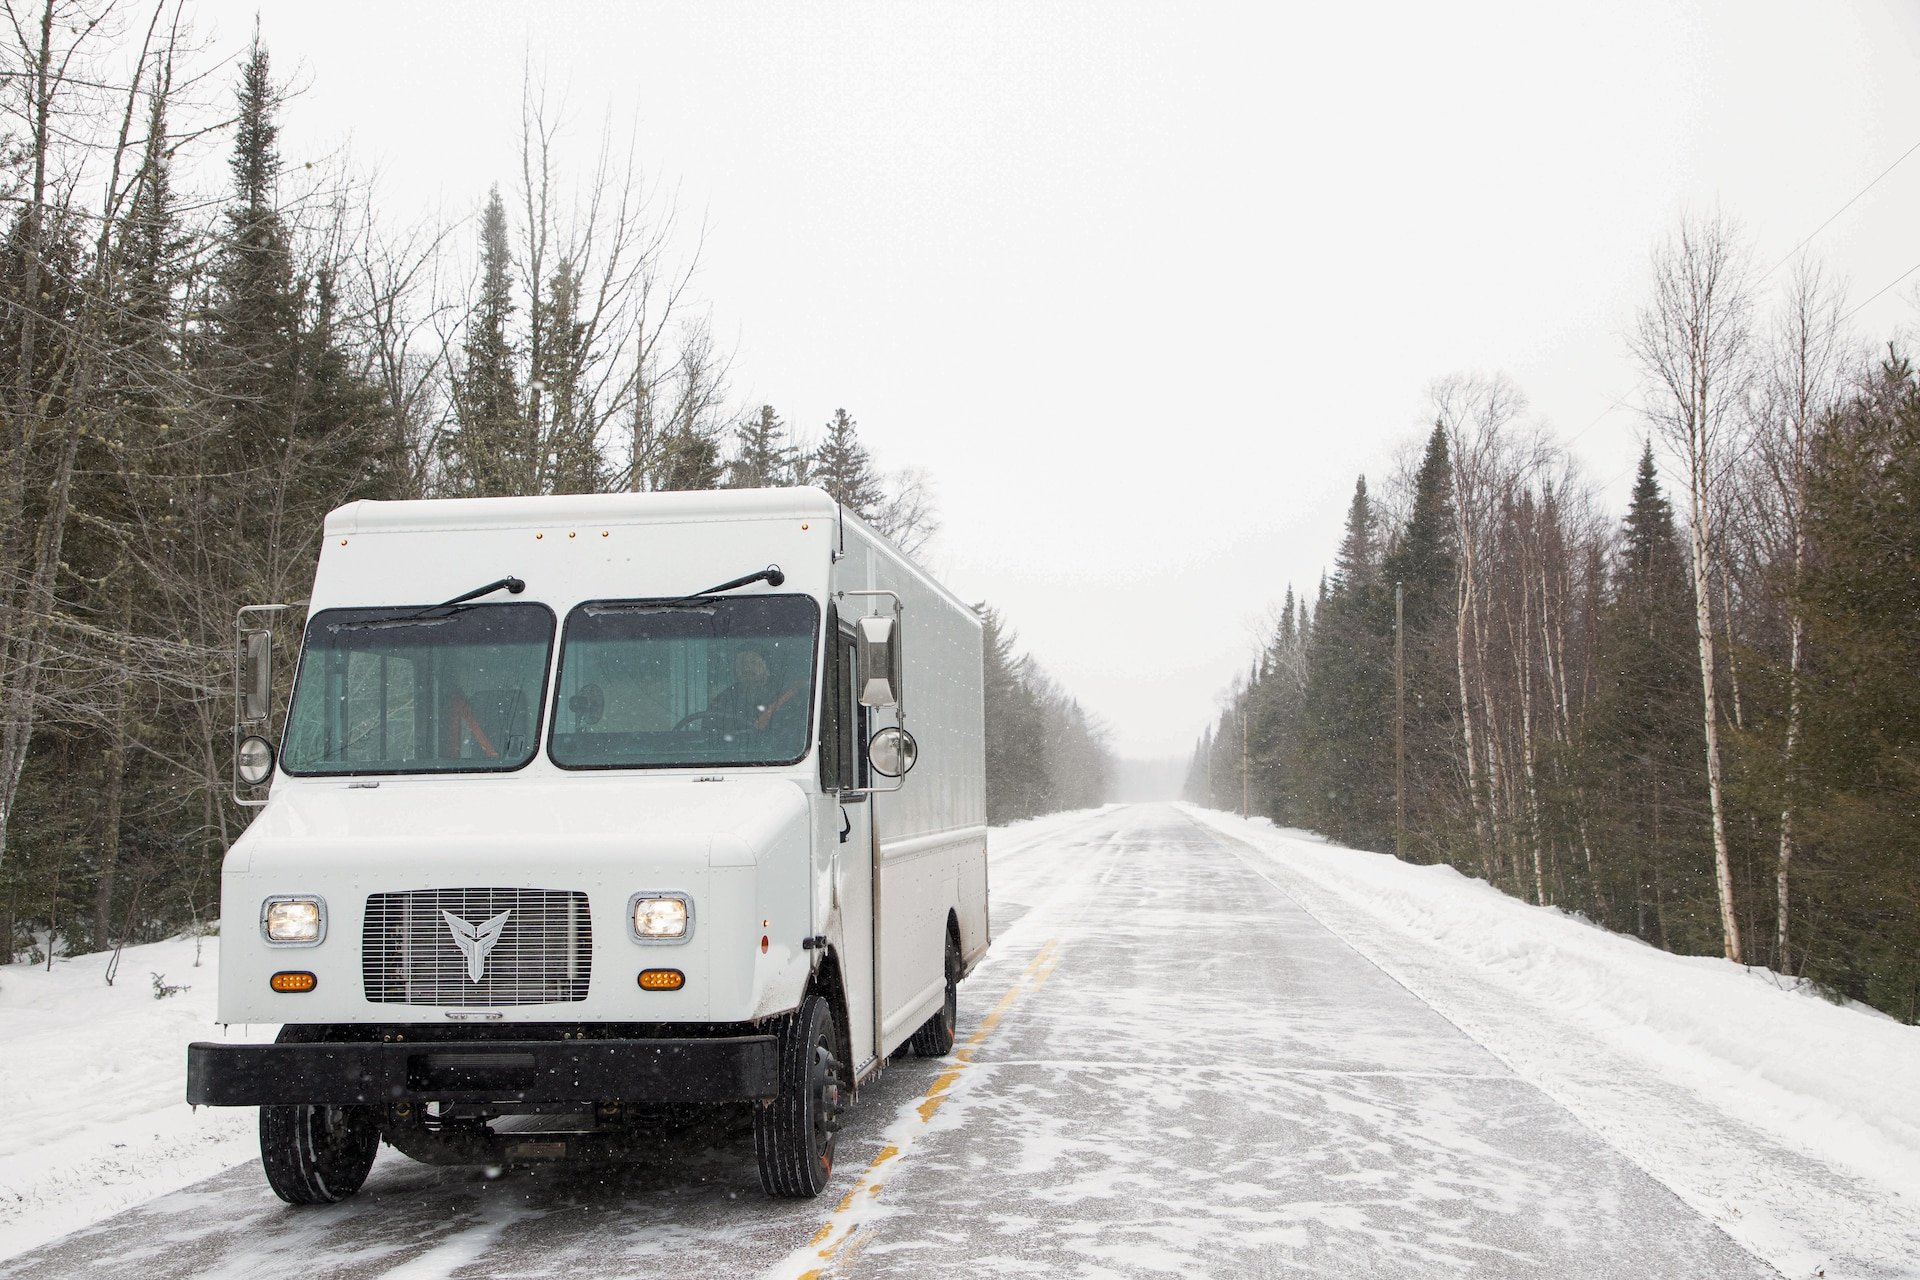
x=506 y=1071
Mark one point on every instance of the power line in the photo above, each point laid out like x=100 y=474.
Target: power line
x=1620 y=402
x=1896 y=280
x=1837 y=212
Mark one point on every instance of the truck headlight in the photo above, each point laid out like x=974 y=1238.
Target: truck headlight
x=661 y=917
x=294 y=921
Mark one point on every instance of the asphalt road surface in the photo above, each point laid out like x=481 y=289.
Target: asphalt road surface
x=1167 y=1067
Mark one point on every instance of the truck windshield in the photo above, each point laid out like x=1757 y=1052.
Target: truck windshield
x=707 y=682
x=402 y=691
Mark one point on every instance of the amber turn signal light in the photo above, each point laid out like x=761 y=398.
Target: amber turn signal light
x=292 y=980
x=662 y=979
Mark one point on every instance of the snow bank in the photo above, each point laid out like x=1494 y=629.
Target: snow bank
x=95 y=1079
x=1791 y=1120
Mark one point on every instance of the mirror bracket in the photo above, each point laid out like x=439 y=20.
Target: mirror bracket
x=252 y=685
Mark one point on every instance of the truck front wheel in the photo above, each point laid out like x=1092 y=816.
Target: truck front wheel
x=316 y=1154
x=794 y=1135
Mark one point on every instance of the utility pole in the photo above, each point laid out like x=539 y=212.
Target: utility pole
x=1213 y=797
x=1243 y=755
x=1399 y=721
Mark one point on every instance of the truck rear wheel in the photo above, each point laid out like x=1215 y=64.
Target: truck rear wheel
x=934 y=1039
x=794 y=1135
x=317 y=1154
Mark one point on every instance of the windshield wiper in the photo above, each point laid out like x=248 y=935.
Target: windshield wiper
x=771 y=575
x=424 y=617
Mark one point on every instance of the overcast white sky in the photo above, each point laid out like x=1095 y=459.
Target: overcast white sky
x=1145 y=286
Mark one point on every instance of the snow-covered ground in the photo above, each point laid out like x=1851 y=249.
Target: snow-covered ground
x=1791 y=1121
x=94 y=1079
x=1294 y=1097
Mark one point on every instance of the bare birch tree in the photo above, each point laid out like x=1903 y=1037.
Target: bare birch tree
x=1473 y=411
x=1693 y=342
x=1806 y=366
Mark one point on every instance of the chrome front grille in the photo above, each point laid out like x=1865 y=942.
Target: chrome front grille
x=541 y=954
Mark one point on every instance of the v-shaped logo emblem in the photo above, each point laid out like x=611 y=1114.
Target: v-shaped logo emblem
x=476 y=941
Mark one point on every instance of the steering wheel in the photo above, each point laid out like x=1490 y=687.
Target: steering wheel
x=719 y=718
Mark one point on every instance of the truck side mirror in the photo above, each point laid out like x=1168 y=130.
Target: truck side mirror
x=893 y=752
x=256 y=676
x=877 y=656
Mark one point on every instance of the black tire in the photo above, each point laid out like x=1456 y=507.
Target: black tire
x=316 y=1154
x=795 y=1134
x=935 y=1037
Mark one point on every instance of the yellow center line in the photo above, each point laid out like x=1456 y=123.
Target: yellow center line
x=844 y=1233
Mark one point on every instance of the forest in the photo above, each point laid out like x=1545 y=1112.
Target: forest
x=204 y=348
x=1694 y=721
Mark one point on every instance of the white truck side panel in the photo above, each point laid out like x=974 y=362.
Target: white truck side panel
x=931 y=834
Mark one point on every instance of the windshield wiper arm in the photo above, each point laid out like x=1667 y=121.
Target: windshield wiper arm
x=510 y=583
x=514 y=586
x=771 y=575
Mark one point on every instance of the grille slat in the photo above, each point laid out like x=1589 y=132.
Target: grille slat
x=544 y=954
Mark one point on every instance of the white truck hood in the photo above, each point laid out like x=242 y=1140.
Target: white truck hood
x=737 y=848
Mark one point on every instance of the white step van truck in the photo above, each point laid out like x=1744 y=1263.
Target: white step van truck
x=671 y=799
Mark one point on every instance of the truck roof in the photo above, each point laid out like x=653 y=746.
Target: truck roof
x=584 y=508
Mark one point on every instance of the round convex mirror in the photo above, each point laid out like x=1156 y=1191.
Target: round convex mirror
x=255 y=760
x=892 y=752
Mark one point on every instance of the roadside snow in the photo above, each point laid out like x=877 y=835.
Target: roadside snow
x=1791 y=1121
x=95 y=1077
x=95 y=1082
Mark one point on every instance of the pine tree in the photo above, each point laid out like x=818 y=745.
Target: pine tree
x=1860 y=864
x=1276 y=702
x=570 y=460
x=1356 y=568
x=1641 y=746
x=764 y=456
x=489 y=453
x=843 y=468
x=1346 y=730
x=690 y=460
x=1424 y=565
x=255 y=310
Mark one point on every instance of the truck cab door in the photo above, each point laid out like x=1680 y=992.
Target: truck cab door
x=850 y=841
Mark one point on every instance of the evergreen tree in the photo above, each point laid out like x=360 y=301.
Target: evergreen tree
x=489 y=452
x=1860 y=869
x=255 y=308
x=1276 y=702
x=764 y=456
x=1346 y=743
x=1044 y=752
x=1017 y=767
x=690 y=459
x=1641 y=749
x=301 y=427
x=843 y=468
x=1356 y=567
x=570 y=456
x=1423 y=562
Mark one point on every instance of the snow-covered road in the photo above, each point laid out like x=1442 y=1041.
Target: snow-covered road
x=1169 y=1066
